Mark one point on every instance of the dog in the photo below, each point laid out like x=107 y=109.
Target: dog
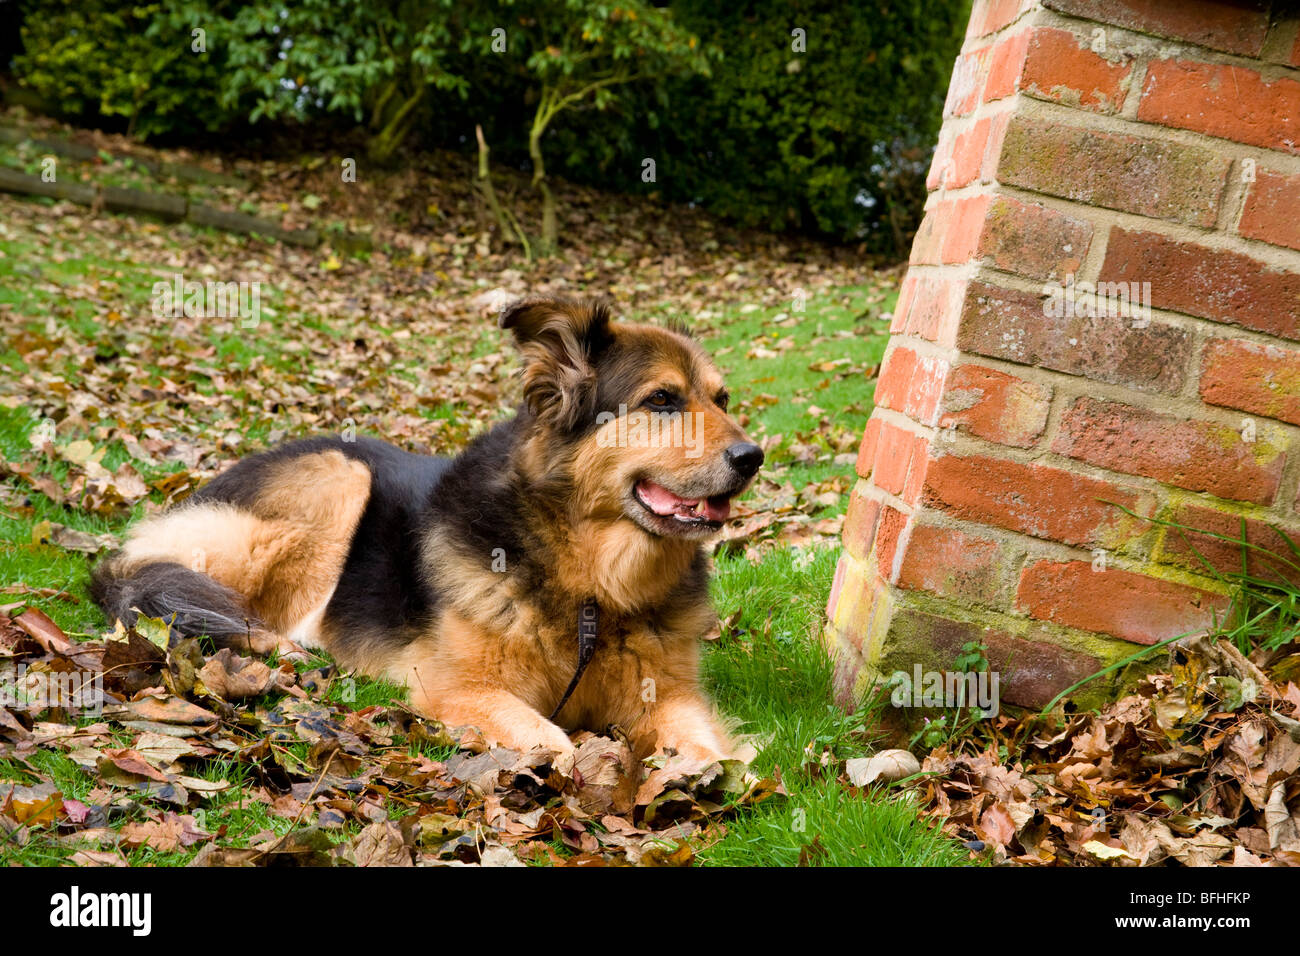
x=550 y=578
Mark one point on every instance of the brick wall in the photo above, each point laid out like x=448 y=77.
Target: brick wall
x=1154 y=142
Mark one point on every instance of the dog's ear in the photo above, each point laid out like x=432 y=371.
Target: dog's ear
x=560 y=340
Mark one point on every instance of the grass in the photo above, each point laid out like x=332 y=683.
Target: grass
x=768 y=672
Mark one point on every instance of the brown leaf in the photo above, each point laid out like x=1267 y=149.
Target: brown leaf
x=382 y=844
x=32 y=806
x=171 y=710
x=45 y=632
x=232 y=677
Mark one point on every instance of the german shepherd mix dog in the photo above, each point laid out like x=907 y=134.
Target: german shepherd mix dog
x=571 y=533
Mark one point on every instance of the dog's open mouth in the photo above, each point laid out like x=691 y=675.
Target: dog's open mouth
x=691 y=512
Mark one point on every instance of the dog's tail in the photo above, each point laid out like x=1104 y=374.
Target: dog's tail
x=193 y=603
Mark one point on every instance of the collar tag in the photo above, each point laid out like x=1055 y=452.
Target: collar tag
x=588 y=628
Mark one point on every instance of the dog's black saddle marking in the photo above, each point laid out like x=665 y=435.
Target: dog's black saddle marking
x=588 y=625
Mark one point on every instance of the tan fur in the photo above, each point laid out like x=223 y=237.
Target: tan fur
x=504 y=682
x=283 y=557
x=492 y=658
x=493 y=664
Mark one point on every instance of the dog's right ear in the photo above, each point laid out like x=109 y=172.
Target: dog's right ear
x=560 y=340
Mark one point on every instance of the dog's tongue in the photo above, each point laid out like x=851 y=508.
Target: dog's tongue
x=716 y=509
x=664 y=502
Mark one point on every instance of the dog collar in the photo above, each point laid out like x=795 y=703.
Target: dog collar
x=588 y=625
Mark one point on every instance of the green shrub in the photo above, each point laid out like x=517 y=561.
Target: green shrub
x=116 y=58
x=834 y=141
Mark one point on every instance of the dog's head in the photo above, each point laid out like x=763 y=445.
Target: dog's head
x=632 y=418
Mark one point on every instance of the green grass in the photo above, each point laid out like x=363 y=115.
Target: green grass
x=771 y=673
x=828 y=826
x=768 y=672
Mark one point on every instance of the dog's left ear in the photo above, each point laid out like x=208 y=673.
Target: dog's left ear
x=560 y=340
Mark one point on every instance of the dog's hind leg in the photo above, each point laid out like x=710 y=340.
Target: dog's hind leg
x=256 y=574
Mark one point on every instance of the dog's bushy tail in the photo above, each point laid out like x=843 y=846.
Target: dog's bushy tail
x=191 y=602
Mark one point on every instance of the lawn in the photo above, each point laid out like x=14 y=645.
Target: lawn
x=137 y=408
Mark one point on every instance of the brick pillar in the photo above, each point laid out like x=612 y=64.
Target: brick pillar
x=1084 y=142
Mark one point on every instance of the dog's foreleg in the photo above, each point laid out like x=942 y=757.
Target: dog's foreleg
x=503 y=718
x=684 y=722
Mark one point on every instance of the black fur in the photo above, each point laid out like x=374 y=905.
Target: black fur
x=192 y=602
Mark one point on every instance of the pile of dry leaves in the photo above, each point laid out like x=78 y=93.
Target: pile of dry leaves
x=1197 y=767
x=357 y=785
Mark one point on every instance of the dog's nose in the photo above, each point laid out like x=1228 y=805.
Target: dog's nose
x=744 y=457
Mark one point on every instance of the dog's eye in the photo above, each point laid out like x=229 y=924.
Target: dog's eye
x=662 y=400
x=722 y=400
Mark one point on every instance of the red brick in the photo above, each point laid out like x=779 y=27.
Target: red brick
x=1196 y=455
x=844 y=680
x=1271 y=210
x=1132 y=606
x=941 y=160
x=1150 y=177
x=1014 y=326
x=990 y=16
x=1037 y=500
x=890 y=535
x=967 y=157
x=1005 y=65
x=1211 y=283
x=925 y=244
x=1233 y=27
x=962 y=229
x=860 y=589
x=836 y=586
x=993 y=152
x=929 y=308
x=1230 y=102
x=1061 y=66
x=906 y=293
x=895 y=378
x=995 y=406
x=972 y=153
x=1030 y=673
x=916 y=475
x=893 y=457
x=911 y=383
x=1267 y=555
x=951 y=564
x=1032 y=240
x=860 y=525
x=950 y=231
x=1254 y=378
x=967 y=81
x=867 y=451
